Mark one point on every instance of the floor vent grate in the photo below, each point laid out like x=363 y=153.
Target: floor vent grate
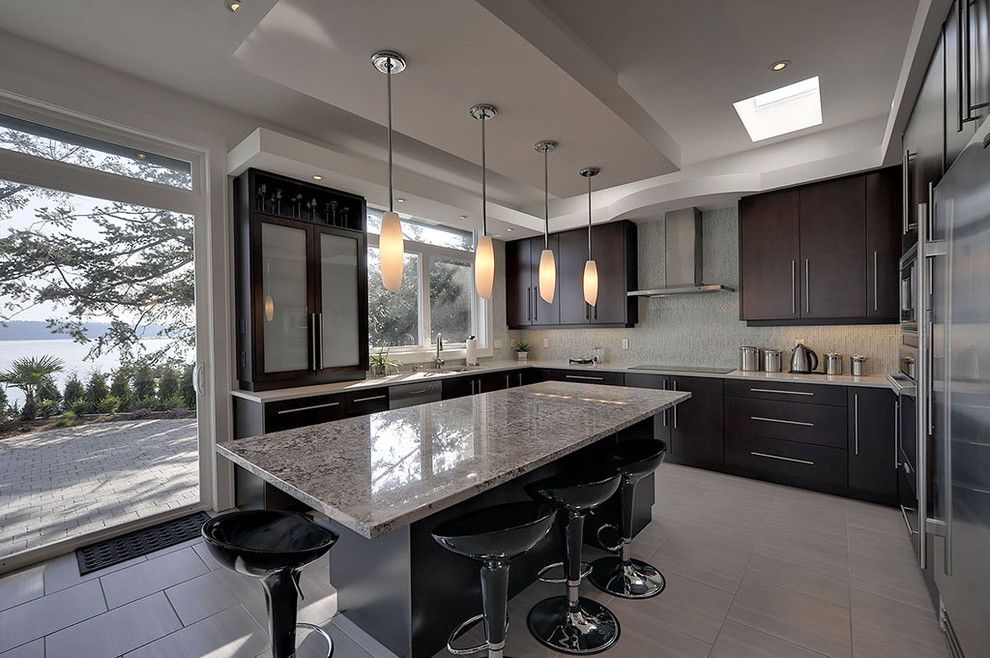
x=140 y=542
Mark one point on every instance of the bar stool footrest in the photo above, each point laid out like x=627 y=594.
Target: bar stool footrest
x=541 y=575
x=313 y=628
x=461 y=628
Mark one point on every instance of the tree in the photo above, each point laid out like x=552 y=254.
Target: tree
x=120 y=387
x=73 y=393
x=28 y=373
x=187 y=386
x=168 y=386
x=132 y=264
x=144 y=383
x=96 y=390
x=4 y=409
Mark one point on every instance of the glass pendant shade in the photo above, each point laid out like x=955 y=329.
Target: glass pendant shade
x=269 y=308
x=548 y=276
x=391 y=247
x=484 y=267
x=591 y=282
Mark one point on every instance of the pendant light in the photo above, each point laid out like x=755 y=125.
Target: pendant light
x=590 y=266
x=484 y=253
x=390 y=243
x=548 y=268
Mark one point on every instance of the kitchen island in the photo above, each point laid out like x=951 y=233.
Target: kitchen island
x=385 y=480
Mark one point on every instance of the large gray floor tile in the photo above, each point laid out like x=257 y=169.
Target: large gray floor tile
x=703 y=555
x=895 y=628
x=797 y=618
x=48 y=614
x=739 y=641
x=213 y=592
x=826 y=584
x=22 y=586
x=228 y=634
x=825 y=553
x=34 y=649
x=115 y=632
x=63 y=572
x=686 y=605
x=892 y=575
x=151 y=576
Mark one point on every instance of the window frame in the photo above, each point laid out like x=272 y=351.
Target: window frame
x=481 y=315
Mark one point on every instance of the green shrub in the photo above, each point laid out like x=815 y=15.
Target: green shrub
x=120 y=387
x=67 y=419
x=144 y=383
x=48 y=408
x=79 y=408
x=74 y=393
x=48 y=392
x=96 y=390
x=168 y=383
x=108 y=405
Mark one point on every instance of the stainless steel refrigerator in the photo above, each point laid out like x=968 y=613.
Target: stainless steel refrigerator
x=955 y=384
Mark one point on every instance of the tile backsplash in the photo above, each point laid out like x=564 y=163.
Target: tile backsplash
x=705 y=330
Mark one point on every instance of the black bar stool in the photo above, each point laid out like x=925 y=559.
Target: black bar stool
x=494 y=535
x=622 y=575
x=273 y=546
x=573 y=624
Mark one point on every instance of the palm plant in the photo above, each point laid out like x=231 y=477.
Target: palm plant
x=28 y=373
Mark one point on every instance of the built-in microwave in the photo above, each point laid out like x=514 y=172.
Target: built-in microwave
x=909 y=303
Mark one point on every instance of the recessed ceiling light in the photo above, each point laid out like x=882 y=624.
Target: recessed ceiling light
x=401 y=200
x=509 y=229
x=317 y=177
x=463 y=216
x=780 y=111
x=232 y=5
x=780 y=65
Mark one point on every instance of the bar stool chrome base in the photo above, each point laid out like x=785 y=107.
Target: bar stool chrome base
x=317 y=630
x=583 y=629
x=627 y=579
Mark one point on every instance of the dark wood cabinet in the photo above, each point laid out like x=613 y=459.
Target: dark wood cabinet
x=823 y=253
x=301 y=283
x=883 y=244
x=696 y=427
x=872 y=434
x=661 y=422
x=769 y=253
x=615 y=252
x=832 y=216
x=958 y=130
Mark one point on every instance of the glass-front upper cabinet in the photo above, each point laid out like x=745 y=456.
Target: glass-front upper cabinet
x=301 y=283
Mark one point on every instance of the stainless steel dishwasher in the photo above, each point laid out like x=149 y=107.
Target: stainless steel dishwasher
x=408 y=395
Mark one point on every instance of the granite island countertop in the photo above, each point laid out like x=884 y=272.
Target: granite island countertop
x=379 y=472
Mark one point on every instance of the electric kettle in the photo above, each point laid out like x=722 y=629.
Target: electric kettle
x=803 y=359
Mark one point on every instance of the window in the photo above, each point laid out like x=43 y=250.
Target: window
x=437 y=293
x=779 y=111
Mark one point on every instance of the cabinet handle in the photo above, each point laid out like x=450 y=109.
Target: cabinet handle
x=520 y=379
x=781 y=420
x=793 y=287
x=905 y=191
x=775 y=390
x=536 y=306
x=507 y=381
x=897 y=433
x=596 y=379
x=673 y=412
x=312 y=342
x=663 y=414
x=856 y=423
x=309 y=408
x=807 y=285
x=529 y=303
x=596 y=311
x=782 y=458
x=370 y=398
x=320 y=342
x=472 y=387
x=876 y=282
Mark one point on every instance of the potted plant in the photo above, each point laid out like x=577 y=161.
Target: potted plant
x=381 y=365
x=522 y=350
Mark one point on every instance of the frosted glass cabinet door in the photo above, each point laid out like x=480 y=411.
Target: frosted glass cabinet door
x=339 y=292
x=284 y=298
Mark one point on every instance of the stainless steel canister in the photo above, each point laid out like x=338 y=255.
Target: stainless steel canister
x=772 y=360
x=749 y=359
x=833 y=363
x=858 y=365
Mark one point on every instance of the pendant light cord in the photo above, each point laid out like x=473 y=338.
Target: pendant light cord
x=589 y=217
x=484 y=181
x=388 y=87
x=546 y=200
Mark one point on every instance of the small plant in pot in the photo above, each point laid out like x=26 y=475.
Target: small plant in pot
x=381 y=364
x=522 y=350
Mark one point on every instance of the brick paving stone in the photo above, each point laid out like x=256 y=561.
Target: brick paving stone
x=60 y=482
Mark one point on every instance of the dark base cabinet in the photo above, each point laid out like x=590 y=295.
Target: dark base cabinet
x=872 y=430
x=696 y=426
x=787 y=462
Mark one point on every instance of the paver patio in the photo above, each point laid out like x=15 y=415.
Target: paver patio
x=70 y=481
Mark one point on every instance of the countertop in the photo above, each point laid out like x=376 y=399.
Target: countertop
x=877 y=381
x=379 y=472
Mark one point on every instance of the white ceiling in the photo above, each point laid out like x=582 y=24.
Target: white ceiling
x=639 y=87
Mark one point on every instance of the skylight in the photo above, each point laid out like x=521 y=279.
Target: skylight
x=781 y=111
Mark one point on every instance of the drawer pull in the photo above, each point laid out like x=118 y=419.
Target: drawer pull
x=776 y=390
x=596 y=379
x=370 y=398
x=309 y=408
x=783 y=459
x=780 y=420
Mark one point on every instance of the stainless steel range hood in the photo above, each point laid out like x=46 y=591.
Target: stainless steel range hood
x=682 y=257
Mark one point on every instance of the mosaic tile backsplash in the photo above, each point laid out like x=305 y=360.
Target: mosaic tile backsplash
x=705 y=330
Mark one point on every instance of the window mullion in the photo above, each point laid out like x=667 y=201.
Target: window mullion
x=426 y=320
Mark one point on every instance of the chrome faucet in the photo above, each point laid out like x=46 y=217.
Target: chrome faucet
x=437 y=361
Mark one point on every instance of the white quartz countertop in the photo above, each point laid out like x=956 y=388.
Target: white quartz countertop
x=877 y=381
x=375 y=473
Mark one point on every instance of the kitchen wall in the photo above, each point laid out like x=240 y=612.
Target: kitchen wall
x=705 y=330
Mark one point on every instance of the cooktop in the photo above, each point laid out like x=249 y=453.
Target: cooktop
x=708 y=371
